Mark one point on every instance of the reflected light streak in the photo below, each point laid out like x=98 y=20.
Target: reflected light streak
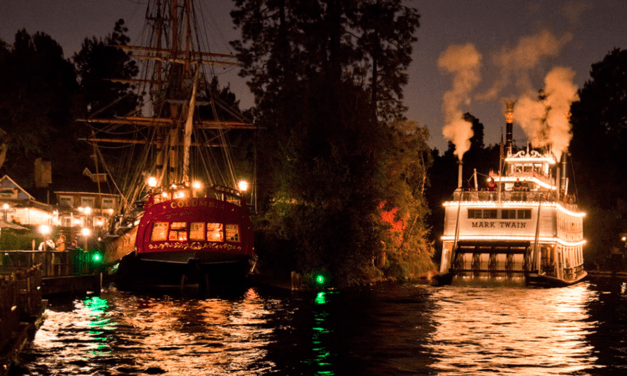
x=214 y=336
x=321 y=335
x=514 y=331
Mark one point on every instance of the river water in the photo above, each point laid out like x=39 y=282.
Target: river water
x=408 y=329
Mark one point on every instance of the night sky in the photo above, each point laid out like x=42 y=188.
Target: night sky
x=583 y=32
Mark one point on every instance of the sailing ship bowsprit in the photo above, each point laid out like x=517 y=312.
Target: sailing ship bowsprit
x=179 y=225
x=525 y=227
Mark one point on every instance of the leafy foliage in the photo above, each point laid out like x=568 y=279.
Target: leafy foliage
x=598 y=151
x=326 y=75
x=97 y=63
x=38 y=88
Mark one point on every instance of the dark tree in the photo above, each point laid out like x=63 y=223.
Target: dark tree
x=367 y=42
x=102 y=70
x=36 y=101
x=598 y=150
x=325 y=74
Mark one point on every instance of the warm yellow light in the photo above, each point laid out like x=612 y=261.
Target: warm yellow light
x=164 y=194
x=548 y=160
x=86 y=232
x=87 y=210
x=517 y=238
x=152 y=182
x=5 y=206
x=179 y=194
x=196 y=185
x=624 y=238
x=243 y=185
x=44 y=229
x=566 y=211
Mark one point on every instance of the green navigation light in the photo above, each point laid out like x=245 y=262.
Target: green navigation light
x=96 y=257
x=320 y=279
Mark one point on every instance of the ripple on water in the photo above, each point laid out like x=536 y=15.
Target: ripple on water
x=388 y=330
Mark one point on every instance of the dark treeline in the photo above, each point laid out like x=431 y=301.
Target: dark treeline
x=342 y=174
x=347 y=184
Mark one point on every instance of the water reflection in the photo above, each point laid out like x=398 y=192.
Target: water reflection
x=321 y=336
x=517 y=331
x=387 y=330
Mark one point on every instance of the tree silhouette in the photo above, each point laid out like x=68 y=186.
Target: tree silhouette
x=599 y=121
x=38 y=88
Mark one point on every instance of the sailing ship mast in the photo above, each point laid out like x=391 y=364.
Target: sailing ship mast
x=174 y=77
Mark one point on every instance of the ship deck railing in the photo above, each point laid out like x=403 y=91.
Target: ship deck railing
x=523 y=196
x=53 y=263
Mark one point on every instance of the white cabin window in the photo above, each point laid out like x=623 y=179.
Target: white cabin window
x=8 y=193
x=178 y=231
x=508 y=214
x=159 y=231
x=232 y=233
x=524 y=213
x=197 y=231
x=65 y=200
x=490 y=213
x=214 y=232
x=87 y=201
x=107 y=203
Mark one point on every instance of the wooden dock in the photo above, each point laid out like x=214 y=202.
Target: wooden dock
x=21 y=312
x=26 y=277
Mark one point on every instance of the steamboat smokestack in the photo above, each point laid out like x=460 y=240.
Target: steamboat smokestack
x=509 y=126
x=459 y=174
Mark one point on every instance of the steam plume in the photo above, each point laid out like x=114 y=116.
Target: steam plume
x=463 y=61
x=545 y=120
x=522 y=59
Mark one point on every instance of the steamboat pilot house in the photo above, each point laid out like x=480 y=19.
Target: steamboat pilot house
x=527 y=228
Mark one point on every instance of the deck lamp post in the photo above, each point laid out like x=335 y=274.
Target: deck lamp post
x=86 y=232
x=87 y=212
x=44 y=230
x=242 y=185
x=6 y=209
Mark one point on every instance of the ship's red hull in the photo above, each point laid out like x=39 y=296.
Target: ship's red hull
x=205 y=230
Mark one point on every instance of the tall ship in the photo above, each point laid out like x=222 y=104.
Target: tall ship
x=184 y=218
x=525 y=227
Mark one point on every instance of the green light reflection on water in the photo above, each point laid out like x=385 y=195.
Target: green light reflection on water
x=320 y=330
x=97 y=309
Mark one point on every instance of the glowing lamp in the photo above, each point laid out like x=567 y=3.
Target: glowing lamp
x=196 y=185
x=242 y=185
x=96 y=258
x=44 y=229
x=152 y=182
x=5 y=206
x=624 y=238
x=86 y=232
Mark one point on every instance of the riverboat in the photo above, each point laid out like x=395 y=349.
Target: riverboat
x=179 y=225
x=525 y=228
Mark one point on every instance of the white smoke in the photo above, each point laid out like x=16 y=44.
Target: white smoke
x=516 y=64
x=545 y=120
x=463 y=61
